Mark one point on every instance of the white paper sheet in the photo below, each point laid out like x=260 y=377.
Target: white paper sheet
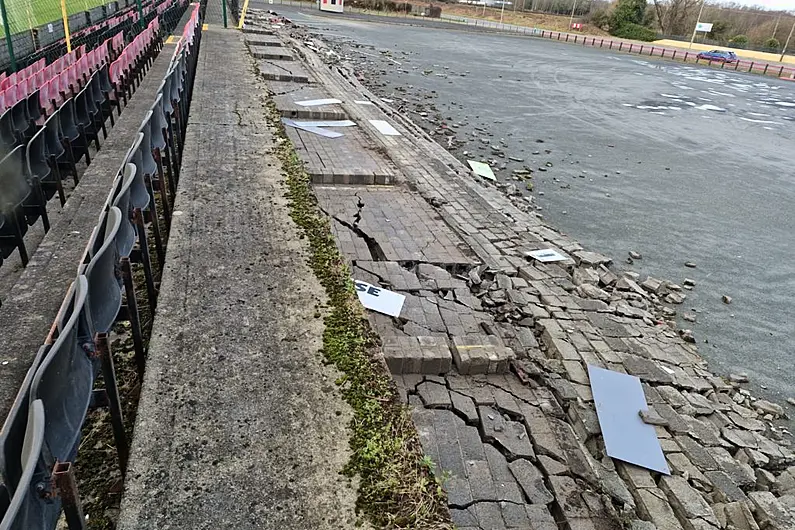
x=320 y=131
x=317 y=102
x=327 y=123
x=547 y=255
x=384 y=128
x=482 y=170
x=378 y=299
x=619 y=398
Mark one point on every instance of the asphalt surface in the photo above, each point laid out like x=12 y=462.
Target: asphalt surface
x=679 y=163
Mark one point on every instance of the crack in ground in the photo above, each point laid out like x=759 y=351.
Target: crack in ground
x=496 y=501
x=373 y=246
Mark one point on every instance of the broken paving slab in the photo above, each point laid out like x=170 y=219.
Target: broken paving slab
x=292 y=71
x=402 y=226
x=263 y=40
x=287 y=94
x=272 y=53
x=347 y=160
x=417 y=355
x=481 y=354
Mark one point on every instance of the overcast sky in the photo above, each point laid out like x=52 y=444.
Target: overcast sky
x=788 y=5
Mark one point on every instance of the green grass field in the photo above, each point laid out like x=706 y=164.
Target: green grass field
x=26 y=14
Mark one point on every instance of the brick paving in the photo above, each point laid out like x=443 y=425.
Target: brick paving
x=522 y=448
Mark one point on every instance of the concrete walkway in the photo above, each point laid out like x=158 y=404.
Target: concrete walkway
x=239 y=426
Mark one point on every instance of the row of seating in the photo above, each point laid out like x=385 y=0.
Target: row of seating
x=46 y=136
x=40 y=439
x=19 y=85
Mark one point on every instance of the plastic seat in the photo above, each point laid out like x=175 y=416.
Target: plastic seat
x=104 y=90
x=8 y=135
x=104 y=285
x=35 y=205
x=35 y=111
x=21 y=120
x=16 y=191
x=26 y=508
x=125 y=241
x=72 y=134
x=40 y=166
x=152 y=169
x=98 y=97
x=65 y=378
x=86 y=116
x=56 y=152
x=84 y=120
x=161 y=144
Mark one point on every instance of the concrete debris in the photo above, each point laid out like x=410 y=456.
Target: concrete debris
x=511 y=415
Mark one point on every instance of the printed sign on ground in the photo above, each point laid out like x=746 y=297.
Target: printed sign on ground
x=379 y=299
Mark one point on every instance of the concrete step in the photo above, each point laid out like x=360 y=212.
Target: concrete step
x=272 y=54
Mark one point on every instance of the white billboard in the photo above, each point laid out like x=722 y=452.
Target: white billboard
x=704 y=26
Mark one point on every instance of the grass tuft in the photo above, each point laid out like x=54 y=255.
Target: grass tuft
x=396 y=489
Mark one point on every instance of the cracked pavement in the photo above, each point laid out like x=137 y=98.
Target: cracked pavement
x=491 y=351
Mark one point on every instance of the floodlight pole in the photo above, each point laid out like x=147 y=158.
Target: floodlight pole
x=698 y=20
x=784 y=50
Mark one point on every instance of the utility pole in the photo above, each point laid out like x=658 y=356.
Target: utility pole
x=7 y=29
x=224 y=7
x=784 y=50
x=502 y=11
x=571 y=18
x=484 y=8
x=698 y=20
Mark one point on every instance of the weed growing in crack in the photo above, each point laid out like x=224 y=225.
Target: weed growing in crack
x=397 y=487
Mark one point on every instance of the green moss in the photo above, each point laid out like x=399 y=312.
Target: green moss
x=397 y=488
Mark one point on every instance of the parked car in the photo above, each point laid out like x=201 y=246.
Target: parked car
x=719 y=56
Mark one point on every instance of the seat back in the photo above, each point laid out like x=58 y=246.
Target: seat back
x=14 y=185
x=65 y=378
x=82 y=109
x=104 y=285
x=139 y=196
x=176 y=84
x=96 y=90
x=24 y=509
x=52 y=135
x=168 y=107
x=104 y=79
x=36 y=157
x=34 y=106
x=68 y=121
x=20 y=116
x=158 y=124
x=8 y=135
x=121 y=200
x=149 y=165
